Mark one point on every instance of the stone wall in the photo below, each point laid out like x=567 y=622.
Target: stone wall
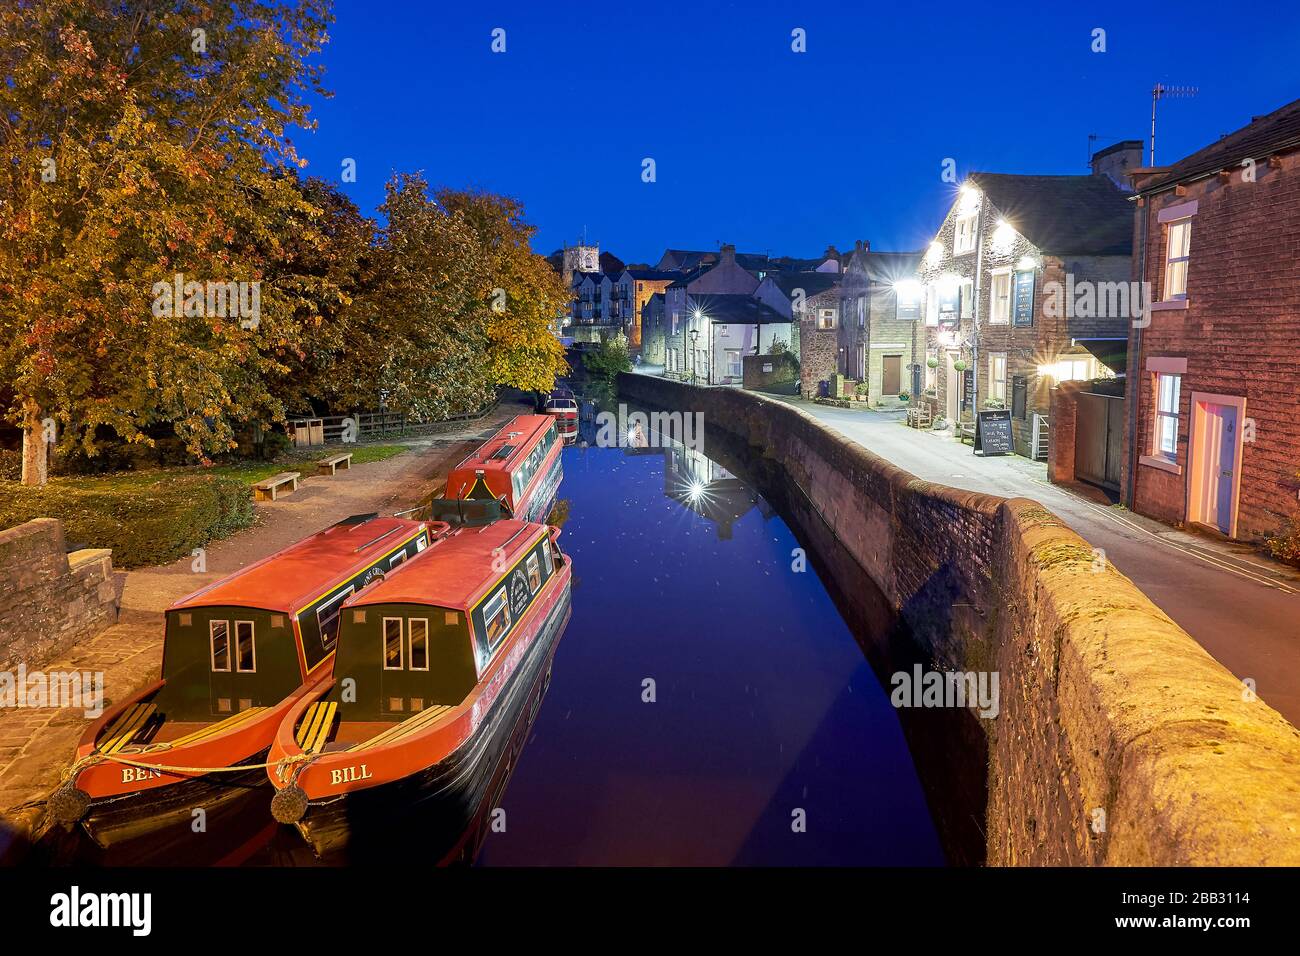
x=52 y=599
x=1119 y=740
x=764 y=371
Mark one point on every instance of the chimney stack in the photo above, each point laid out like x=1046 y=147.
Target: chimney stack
x=728 y=253
x=1115 y=161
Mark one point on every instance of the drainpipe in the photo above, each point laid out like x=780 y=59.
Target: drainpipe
x=975 y=312
x=1133 y=389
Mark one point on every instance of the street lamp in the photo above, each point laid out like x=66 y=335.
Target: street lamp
x=695 y=337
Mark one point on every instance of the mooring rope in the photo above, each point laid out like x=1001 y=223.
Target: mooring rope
x=97 y=757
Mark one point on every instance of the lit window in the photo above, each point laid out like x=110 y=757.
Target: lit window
x=219 y=632
x=396 y=559
x=1165 y=440
x=392 y=643
x=327 y=616
x=534 y=573
x=419 y=628
x=245 y=653
x=734 y=367
x=862 y=311
x=998 y=376
x=496 y=618
x=1000 y=298
x=1072 y=370
x=1176 y=256
x=826 y=319
x=964 y=237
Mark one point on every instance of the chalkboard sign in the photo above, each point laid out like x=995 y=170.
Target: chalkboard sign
x=1022 y=299
x=967 y=388
x=993 y=432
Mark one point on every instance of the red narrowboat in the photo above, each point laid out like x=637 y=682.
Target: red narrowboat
x=237 y=655
x=437 y=669
x=562 y=405
x=519 y=465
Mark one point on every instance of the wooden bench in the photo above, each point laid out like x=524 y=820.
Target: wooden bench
x=918 y=416
x=314 y=730
x=128 y=723
x=266 y=490
x=328 y=466
x=965 y=431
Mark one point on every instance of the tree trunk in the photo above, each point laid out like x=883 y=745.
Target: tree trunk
x=35 y=449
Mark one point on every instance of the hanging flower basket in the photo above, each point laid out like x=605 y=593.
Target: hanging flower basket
x=932 y=362
x=960 y=366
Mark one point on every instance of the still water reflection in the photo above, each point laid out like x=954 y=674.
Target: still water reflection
x=764 y=705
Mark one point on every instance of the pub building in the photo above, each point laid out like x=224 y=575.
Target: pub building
x=1009 y=292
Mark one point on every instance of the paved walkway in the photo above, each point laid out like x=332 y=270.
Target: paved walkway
x=1238 y=605
x=36 y=743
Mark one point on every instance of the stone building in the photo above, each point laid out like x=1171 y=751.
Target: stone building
x=1214 y=397
x=881 y=340
x=653 y=333
x=632 y=290
x=685 y=356
x=1009 y=287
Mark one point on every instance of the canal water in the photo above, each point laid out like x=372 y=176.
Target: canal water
x=708 y=704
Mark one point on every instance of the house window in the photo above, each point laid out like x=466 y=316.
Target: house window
x=1000 y=298
x=862 y=311
x=677 y=317
x=826 y=319
x=1176 y=256
x=534 y=572
x=245 y=653
x=419 y=628
x=964 y=238
x=998 y=376
x=219 y=635
x=931 y=305
x=1165 y=441
x=496 y=618
x=392 y=643
x=966 y=298
x=1072 y=370
x=734 y=367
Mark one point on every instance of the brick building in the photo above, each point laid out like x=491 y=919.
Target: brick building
x=1010 y=285
x=1214 y=396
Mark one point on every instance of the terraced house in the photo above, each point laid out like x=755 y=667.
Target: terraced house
x=1009 y=286
x=882 y=340
x=1214 y=397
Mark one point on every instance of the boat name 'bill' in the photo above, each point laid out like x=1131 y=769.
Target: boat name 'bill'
x=350 y=774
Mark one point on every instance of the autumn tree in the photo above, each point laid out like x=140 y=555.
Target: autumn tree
x=418 y=331
x=142 y=144
x=526 y=295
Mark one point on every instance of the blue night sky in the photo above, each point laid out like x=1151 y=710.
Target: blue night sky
x=757 y=145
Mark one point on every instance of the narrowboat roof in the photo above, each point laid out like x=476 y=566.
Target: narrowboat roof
x=293 y=577
x=455 y=570
x=514 y=435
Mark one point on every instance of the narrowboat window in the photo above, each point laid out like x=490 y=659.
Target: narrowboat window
x=327 y=616
x=246 y=661
x=421 y=543
x=546 y=554
x=518 y=484
x=396 y=559
x=219 y=631
x=496 y=618
x=534 y=573
x=419 y=644
x=392 y=643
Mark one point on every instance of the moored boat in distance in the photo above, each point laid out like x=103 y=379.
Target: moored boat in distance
x=438 y=667
x=236 y=655
x=519 y=465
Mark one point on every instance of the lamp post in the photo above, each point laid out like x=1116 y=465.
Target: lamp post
x=695 y=337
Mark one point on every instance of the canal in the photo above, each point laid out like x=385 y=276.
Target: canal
x=708 y=705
